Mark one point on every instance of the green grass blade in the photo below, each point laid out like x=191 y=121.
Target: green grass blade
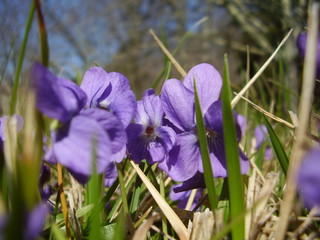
x=94 y=192
x=232 y=156
x=277 y=146
x=207 y=169
x=123 y=190
x=59 y=234
x=43 y=36
x=20 y=60
x=6 y=62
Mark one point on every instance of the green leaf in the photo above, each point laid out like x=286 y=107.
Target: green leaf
x=235 y=180
x=43 y=35
x=277 y=146
x=59 y=234
x=109 y=231
x=94 y=189
x=206 y=162
x=14 y=93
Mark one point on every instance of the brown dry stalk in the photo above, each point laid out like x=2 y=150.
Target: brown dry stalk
x=268 y=114
x=257 y=75
x=63 y=200
x=169 y=55
x=172 y=217
x=303 y=116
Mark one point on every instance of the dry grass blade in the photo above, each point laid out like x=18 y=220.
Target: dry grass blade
x=270 y=115
x=11 y=144
x=255 y=77
x=265 y=193
x=141 y=232
x=169 y=55
x=202 y=225
x=306 y=223
x=156 y=229
x=294 y=119
x=63 y=200
x=191 y=199
x=251 y=193
x=303 y=116
x=174 y=220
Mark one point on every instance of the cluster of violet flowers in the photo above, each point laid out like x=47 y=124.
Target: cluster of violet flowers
x=97 y=117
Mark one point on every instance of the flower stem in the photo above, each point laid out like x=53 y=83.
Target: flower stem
x=123 y=190
x=63 y=200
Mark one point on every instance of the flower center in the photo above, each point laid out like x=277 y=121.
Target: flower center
x=212 y=137
x=149 y=131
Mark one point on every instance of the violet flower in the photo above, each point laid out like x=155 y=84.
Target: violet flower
x=44 y=177
x=147 y=138
x=111 y=92
x=32 y=223
x=177 y=100
x=82 y=130
x=302 y=44
x=261 y=134
x=110 y=174
x=309 y=179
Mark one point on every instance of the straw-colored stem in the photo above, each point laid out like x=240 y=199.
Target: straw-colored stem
x=63 y=200
x=257 y=75
x=304 y=113
x=168 y=54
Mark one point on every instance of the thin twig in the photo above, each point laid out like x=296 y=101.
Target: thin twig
x=270 y=115
x=264 y=66
x=169 y=55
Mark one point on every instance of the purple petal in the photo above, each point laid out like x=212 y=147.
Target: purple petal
x=268 y=153
x=137 y=143
x=123 y=106
x=121 y=100
x=120 y=155
x=49 y=155
x=44 y=175
x=110 y=124
x=148 y=92
x=242 y=121
x=197 y=181
x=157 y=152
x=178 y=104
x=35 y=221
x=110 y=174
x=167 y=136
x=134 y=130
x=76 y=143
x=208 y=81
x=214 y=122
x=138 y=149
x=309 y=179
x=149 y=110
x=95 y=83
x=184 y=159
x=302 y=43
x=184 y=196
x=56 y=97
x=260 y=133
